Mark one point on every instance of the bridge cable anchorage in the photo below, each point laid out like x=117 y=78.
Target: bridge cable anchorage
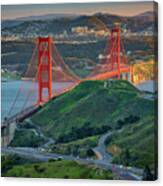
x=21 y=85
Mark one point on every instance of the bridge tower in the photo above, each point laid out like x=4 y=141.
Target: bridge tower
x=115 y=53
x=44 y=68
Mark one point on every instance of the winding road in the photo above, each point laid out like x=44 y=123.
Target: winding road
x=100 y=150
x=122 y=173
x=104 y=161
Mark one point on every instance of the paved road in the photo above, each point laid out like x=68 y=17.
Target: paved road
x=41 y=134
x=105 y=157
x=100 y=150
x=122 y=172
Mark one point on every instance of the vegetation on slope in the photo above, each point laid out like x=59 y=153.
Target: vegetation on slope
x=9 y=161
x=95 y=107
x=27 y=138
x=91 y=108
x=27 y=135
x=81 y=147
x=135 y=144
x=53 y=169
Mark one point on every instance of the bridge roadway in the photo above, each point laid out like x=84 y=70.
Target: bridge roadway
x=109 y=74
x=20 y=116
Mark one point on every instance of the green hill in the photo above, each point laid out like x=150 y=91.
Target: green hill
x=135 y=145
x=76 y=119
x=92 y=108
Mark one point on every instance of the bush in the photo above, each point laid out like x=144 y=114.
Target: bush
x=80 y=133
x=51 y=160
x=127 y=120
x=38 y=168
x=90 y=153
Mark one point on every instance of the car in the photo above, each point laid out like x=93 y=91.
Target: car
x=42 y=150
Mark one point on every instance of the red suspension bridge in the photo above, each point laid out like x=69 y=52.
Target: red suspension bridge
x=47 y=66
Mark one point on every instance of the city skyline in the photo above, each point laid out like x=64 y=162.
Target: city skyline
x=118 y=8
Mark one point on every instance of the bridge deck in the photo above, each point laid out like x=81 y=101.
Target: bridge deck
x=20 y=115
x=110 y=74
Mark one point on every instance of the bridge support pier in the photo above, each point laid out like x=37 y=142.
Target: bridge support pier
x=7 y=134
x=115 y=55
x=44 y=68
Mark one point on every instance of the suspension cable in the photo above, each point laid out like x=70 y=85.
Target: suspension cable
x=67 y=75
x=64 y=64
x=31 y=87
x=21 y=87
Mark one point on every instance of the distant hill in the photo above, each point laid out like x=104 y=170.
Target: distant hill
x=10 y=23
x=57 y=23
x=148 y=15
x=47 y=16
x=14 y=22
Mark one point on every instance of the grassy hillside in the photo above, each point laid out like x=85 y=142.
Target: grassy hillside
x=81 y=147
x=77 y=118
x=91 y=108
x=26 y=138
x=135 y=145
x=58 y=169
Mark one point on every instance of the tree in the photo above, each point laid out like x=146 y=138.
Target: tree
x=147 y=175
x=90 y=153
x=127 y=157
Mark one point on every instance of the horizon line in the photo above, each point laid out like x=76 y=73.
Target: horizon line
x=80 y=14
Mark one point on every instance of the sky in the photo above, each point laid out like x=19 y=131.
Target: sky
x=118 y=8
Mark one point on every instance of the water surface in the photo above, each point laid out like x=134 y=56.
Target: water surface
x=9 y=91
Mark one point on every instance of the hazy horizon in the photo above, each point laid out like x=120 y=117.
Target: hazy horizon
x=10 y=12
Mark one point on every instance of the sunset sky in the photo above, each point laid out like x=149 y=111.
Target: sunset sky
x=119 y=8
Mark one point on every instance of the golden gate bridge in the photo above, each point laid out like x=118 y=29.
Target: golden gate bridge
x=47 y=66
